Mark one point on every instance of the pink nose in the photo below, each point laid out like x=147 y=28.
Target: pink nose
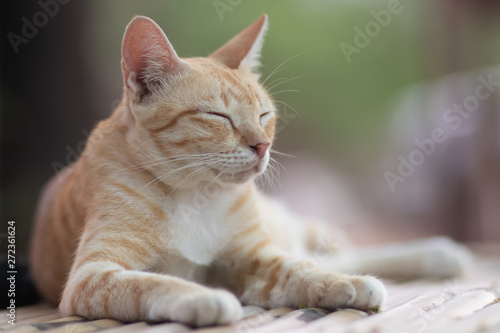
x=261 y=148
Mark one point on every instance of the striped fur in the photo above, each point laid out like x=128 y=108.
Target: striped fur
x=161 y=207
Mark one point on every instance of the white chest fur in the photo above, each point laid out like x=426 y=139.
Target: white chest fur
x=198 y=227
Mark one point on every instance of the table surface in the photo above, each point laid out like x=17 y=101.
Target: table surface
x=470 y=303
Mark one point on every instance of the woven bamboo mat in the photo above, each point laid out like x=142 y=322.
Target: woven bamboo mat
x=467 y=304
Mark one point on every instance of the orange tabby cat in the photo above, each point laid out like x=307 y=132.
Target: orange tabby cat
x=117 y=234
x=161 y=207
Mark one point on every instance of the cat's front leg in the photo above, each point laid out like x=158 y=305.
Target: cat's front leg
x=110 y=282
x=265 y=276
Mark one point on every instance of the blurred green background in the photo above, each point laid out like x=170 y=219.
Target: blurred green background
x=68 y=76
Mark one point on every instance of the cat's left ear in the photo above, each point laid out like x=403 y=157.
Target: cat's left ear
x=243 y=50
x=147 y=55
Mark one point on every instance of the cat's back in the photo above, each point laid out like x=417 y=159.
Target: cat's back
x=58 y=222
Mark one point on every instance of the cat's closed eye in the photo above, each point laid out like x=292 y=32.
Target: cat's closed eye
x=265 y=117
x=221 y=116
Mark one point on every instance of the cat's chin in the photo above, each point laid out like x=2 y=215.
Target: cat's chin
x=241 y=177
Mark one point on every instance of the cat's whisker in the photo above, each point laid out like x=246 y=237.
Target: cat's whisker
x=234 y=171
x=280 y=65
x=267 y=179
x=264 y=179
x=278 y=163
x=142 y=144
x=194 y=173
x=277 y=176
x=285 y=81
x=273 y=174
x=170 y=160
x=277 y=70
x=167 y=159
x=282 y=154
x=215 y=178
x=271 y=167
x=141 y=166
x=275 y=82
x=222 y=172
x=207 y=166
x=259 y=181
x=158 y=179
x=147 y=162
x=283 y=91
x=288 y=106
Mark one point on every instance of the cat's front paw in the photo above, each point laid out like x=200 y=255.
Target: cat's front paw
x=370 y=292
x=205 y=308
x=359 y=292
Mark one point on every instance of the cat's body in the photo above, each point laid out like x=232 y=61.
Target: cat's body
x=161 y=204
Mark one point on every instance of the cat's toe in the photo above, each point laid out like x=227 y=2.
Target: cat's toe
x=336 y=293
x=370 y=292
x=228 y=306
x=360 y=292
x=210 y=307
x=217 y=308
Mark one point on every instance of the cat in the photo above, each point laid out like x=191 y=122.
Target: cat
x=160 y=220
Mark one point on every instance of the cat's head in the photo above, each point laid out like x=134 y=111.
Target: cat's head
x=198 y=118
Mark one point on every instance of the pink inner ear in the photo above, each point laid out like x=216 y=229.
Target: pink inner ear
x=147 y=52
x=246 y=44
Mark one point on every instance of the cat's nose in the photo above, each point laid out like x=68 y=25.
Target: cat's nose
x=261 y=148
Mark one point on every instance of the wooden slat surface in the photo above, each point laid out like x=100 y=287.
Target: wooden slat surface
x=463 y=305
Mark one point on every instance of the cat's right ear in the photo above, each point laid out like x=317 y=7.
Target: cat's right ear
x=147 y=55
